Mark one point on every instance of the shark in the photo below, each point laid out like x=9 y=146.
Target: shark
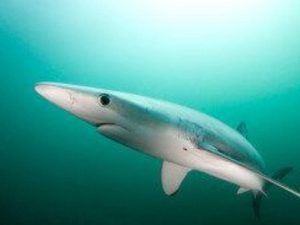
x=183 y=138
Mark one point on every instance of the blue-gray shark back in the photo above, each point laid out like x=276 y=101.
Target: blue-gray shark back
x=203 y=130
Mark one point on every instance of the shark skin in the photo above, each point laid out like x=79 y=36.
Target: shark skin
x=183 y=138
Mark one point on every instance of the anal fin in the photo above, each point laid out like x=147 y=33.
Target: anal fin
x=242 y=190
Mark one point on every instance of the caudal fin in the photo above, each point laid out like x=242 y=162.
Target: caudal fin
x=274 y=180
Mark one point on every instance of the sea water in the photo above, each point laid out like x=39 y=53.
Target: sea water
x=236 y=60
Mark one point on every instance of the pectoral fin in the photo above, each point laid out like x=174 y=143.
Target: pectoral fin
x=172 y=176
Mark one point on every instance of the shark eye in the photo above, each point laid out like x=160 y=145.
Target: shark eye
x=104 y=99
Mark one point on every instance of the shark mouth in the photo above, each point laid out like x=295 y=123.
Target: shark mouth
x=106 y=125
x=98 y=125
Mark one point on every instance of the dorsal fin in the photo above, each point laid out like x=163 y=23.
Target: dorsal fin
x=172 y=176
x=242 y=129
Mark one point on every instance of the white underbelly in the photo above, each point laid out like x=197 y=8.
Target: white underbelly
x=224 y=169
x=169 y=148
x=214 y=165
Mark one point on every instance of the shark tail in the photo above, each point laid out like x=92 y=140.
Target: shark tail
x=271 y=181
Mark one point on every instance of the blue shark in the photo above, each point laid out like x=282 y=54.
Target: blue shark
x=184 y=139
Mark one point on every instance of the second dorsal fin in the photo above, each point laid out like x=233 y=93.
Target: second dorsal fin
x=242 y=129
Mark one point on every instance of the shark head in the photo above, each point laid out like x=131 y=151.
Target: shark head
x=117 y=115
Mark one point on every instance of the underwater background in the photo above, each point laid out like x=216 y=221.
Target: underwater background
x=237 y=60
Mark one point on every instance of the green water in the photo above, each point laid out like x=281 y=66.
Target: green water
x=236 y=60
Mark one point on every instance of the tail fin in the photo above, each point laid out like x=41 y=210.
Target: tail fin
x=257 y=197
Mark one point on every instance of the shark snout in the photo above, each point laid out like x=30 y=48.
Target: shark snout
x=57 y=94
x=78 y=100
